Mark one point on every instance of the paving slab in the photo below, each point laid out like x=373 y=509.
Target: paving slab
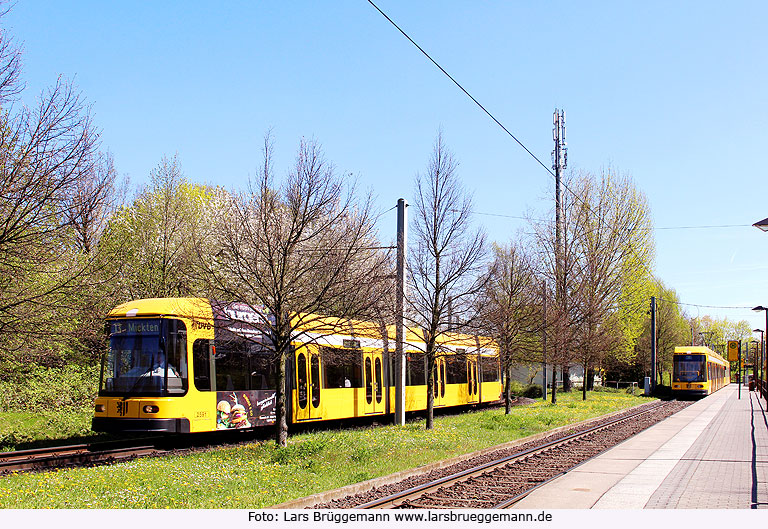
x=712 y=455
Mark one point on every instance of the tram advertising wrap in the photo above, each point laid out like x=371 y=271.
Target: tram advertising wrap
x=244 y=409
x=238 y=331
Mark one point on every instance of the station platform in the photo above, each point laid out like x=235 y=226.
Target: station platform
x=711 y=455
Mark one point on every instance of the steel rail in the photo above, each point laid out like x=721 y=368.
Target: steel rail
x=78 y=454
x=396 y=499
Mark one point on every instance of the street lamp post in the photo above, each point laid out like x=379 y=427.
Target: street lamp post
x=762 y=225
x=762 y=335
x=761 y=372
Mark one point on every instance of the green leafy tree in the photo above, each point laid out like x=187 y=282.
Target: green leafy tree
x=672 y=330
x=152 y=241
x=600 y=279
x=613 y=232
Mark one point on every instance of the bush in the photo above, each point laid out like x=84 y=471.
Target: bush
x=516 y=388
x=71 y=386
x=533 y=391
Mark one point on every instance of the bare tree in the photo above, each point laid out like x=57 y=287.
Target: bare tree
x=93 y=199
x=510 y=308
x=445 y=267
x=46 y=153
x=56 y=192
x=556 y=266
x=304 y=254
x=11 y=84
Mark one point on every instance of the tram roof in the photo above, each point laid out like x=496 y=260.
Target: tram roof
x=200 y=308
x=697 y=349
x=197 y=308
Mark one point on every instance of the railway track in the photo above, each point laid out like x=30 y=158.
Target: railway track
x=78 y=455
x=107 y=452
x=504 y=480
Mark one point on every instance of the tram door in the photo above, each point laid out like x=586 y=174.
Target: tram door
x=307 y=402
x=374 y=390
x=472 y=383
x=439 y=379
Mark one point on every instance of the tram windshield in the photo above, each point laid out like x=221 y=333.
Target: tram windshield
x=689 y=368
x=146 y=357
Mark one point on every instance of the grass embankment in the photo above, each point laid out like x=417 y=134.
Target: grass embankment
x=260 y=475
x=20 y=429
x=41 y=407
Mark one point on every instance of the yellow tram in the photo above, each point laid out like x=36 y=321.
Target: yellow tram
x=191 y=365
x=698 y=371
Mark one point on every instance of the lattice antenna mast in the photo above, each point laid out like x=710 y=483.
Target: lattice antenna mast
x=559 y=162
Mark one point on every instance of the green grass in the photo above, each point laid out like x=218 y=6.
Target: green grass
x=259 y=475
x=20 y=429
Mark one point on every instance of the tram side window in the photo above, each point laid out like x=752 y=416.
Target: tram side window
x=456 y=365
x=262 y=369
x=342 y=368
x=231 y=366
x=416 y=370
x=201 y=363
x=490 y=368
x=176 y=355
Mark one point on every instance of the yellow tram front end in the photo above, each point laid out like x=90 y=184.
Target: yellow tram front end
x=698 y=371
x=183 y=365
x=145 y=376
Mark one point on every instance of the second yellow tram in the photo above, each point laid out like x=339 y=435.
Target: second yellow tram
x=698 y=371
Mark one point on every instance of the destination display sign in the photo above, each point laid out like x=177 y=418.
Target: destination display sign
x=134 y=327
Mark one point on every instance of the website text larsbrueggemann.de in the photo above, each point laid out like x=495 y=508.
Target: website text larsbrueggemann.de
x=342 y=517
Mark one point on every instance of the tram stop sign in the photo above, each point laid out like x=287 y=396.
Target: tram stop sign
x=733 y=350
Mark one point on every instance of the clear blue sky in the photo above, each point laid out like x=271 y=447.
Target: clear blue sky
x=671 y=93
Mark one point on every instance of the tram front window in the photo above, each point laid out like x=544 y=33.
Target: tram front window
x=689 y=368
x=146 y=357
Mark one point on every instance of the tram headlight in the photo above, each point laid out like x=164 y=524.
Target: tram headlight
x=150 y=408
x=100 y=408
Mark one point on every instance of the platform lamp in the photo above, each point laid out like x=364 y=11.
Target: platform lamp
x=761 y=372
x=762 y=225
x=762 y=336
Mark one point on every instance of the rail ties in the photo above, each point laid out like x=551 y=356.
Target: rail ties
x=73 y=455
x=502 y=483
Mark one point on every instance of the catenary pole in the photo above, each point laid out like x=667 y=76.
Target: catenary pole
x=402 y=240
x=653 y=345
x=544 y=340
